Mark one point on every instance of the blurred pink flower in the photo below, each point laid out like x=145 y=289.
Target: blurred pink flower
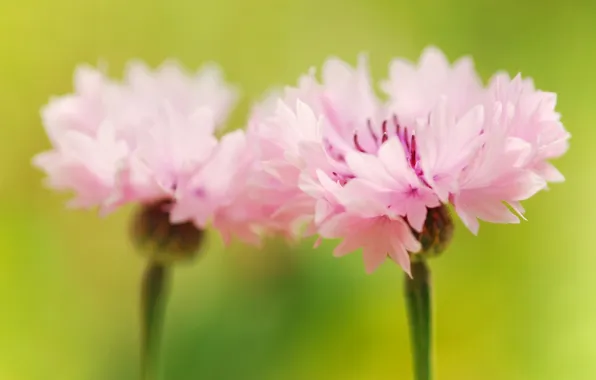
x=366 y=171
x=146 y=139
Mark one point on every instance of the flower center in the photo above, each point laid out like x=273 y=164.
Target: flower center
x=403 y=133
x=370 y=139
x=388 y=127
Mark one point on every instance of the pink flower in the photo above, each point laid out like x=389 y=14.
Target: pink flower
x=308 y=144
x=147 y=139
x=373 y=169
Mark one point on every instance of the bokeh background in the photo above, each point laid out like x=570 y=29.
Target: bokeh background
x=516 y=302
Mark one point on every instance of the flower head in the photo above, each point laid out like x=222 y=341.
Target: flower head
x=368 y=171
x=148 y=140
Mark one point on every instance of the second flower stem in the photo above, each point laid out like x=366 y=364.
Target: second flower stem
x=154 y=289
x=419 y=306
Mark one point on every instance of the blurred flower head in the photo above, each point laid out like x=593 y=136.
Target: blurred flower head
x=368 y=171
x=149 y=140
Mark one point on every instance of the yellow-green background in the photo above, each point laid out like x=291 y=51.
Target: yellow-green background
x=516 y=302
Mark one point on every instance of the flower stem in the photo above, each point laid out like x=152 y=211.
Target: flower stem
x=418 y=299
x=153 y=301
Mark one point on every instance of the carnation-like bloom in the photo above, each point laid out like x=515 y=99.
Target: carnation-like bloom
x=378 y=174
x=150 y=139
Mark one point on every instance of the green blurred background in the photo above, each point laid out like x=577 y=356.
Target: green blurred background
x=516 y=302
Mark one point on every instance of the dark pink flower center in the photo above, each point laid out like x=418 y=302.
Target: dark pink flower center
x=370 y=139
x=407 y=139
x=405 y=136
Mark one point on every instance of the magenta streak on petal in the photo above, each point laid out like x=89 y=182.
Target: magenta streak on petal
x=342 y=179
x=372 y=132
x=385 y=137
x=413 y=160
x=397 y=126
x=332 y=152
x=405 y=141
x=357 y=144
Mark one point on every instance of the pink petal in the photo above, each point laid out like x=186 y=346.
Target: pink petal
x=373 y=259
x=369 y=167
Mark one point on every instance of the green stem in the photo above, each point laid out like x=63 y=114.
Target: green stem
x=418 y=299
x=153 y=302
